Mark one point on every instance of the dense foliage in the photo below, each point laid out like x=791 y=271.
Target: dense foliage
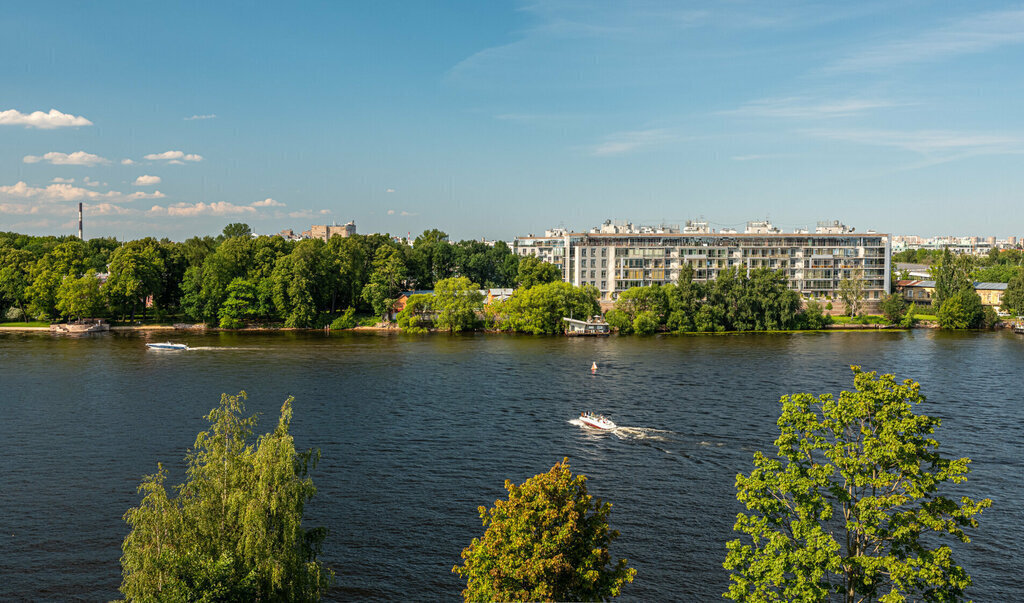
x=233 y=532
x=547 y=542
x=736 y=301
x=997 y=266
x=1013 y=299
x=236 y=279
x=850 y=505
x=540 y=309
x=453 y=306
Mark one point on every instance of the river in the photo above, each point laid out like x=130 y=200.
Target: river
x=417 y=432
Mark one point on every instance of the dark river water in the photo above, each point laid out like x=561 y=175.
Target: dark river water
x=416 y=432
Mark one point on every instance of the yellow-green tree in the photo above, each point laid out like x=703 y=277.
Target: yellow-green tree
x=548 y=542
x=234 y=532
x=850 y=506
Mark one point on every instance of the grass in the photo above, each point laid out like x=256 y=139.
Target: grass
x=34 y=323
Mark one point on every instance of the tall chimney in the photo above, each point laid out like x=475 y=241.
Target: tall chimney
x=80 y=222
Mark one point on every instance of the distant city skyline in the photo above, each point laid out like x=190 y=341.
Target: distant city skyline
x=499 y=119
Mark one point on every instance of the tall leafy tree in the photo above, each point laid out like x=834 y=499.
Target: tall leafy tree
x=851 y=291
x=386 y=280
x=851 y=505
x=80 y=297
x=1013 y=299
x=455 y=303
x=952 y=274
x=234 y=532
x=549 y=541
x=962 y=310
x=303 y=281
x=533 y=271
x=68 y=258
x=135 y=274
x=15 y=276
x=236 y=229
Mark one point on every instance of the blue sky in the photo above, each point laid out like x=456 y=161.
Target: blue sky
x=495 y=119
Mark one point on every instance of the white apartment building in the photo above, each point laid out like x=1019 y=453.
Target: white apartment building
x=615 y=257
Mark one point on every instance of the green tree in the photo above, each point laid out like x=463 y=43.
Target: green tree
x=548 y=542
x=417 y=314
x=135 y=270
x=236 y=229
x=456 y=302
x=240 y=306
x=234 y=532
x=540 y=309
x=15 y=270
x=1013 y=298
x=684 y=301
x=302 y=284
x=813 y=316
x=893 y=308
x=385 y=281
x=66 y=258
x=962 y=310
x=850 y=506
x=80 y=297
x=851 y=291
x=952 y=274
x=533 y=271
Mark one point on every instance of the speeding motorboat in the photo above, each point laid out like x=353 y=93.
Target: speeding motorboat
x=591 y=420
x=167 y=345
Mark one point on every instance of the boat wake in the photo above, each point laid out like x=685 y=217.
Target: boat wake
x=209 y=348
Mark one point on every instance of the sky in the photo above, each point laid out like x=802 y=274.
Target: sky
x=497 y=119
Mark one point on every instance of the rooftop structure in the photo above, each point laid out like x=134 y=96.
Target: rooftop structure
x=615 y=261
x=325 y=232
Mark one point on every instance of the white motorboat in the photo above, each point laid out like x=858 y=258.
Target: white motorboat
x=167 y=345
x=591 y=420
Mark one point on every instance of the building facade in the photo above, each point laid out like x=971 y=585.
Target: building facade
x=325 y=232
x=614 y=258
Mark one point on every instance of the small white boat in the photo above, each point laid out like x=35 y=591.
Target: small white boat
x=167 y=346
x=589 y=419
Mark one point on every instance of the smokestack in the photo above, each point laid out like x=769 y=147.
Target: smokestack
x=80 y=222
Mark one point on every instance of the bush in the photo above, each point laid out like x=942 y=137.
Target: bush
x=228 y=322
x=15 y=314
x=813 y=317
x=347 y=320
x=962 y=310
x=620 y=320
x=645 y=323
x=893 y=308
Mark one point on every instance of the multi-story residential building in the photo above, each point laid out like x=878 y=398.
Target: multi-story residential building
x=325 y=232
x=615 y=257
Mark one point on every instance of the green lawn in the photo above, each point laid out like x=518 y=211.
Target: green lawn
x=35 y=323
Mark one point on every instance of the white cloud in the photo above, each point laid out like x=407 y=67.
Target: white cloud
x=391 y=212
x=978 y=33
x=195 y=117
x=55 y=193
x=628 y=142
x=59 y=180
x=324 y=212
x=217 y=208
x=108 y=209
x=43 y=121
x=799 y=107
x=389 y=190
x=929 y=141
x=127 y=162
x=174 y=156
x=90 y=182
x=147 y=180
x=268 y=202
x=76 y=158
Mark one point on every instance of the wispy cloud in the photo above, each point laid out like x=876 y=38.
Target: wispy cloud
x=147 y=180
x=761 y=156
x=978 y=33
x=40 y=120
x=59 y=180
x=629 y=142
x=195 y=117
x=928 y=142
x=174 y=157
x=127 y=162
x=803 y=107
x=76 y=158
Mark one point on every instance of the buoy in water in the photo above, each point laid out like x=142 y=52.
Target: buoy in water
x=593 y=367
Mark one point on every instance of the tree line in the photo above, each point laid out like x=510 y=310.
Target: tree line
x=850 y=506
x=235 y=278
